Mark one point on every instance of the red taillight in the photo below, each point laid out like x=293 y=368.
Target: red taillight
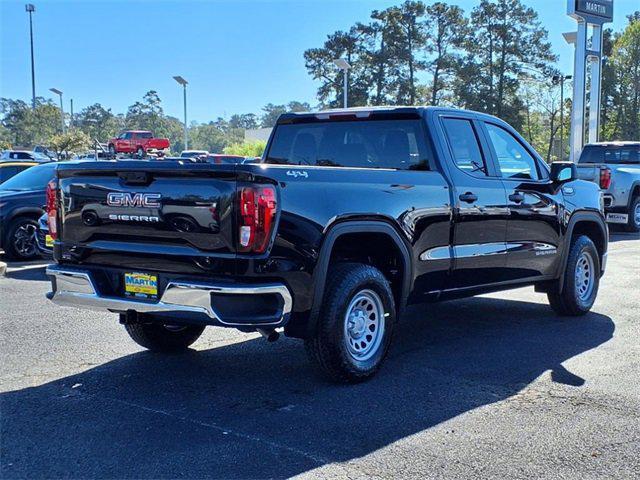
x=605 y=178
x=52 y=205
x=257 y=214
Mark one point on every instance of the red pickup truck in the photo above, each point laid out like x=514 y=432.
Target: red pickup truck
x=139 y=142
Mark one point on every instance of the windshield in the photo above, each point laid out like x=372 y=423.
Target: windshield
x=611 y=155
x=34 y=178
x=398 y=144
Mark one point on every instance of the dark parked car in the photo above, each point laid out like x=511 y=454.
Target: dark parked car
x=352 y=215
x=21 y=200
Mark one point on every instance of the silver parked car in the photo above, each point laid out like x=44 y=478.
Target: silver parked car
x=615 y=166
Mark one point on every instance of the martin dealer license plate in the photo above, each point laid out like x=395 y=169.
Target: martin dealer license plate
x=141 y=285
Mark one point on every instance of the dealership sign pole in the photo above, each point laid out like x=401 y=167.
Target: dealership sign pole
x=589 y=14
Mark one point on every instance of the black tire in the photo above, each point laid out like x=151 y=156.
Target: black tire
x=571 y=302
x=329 y=350
x=16 y=245
x=140 y=152
x=159 y=337
x=112 y=151
x=633 y=222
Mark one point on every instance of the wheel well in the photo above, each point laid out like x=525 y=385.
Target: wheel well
x=635 y=192
x=376 y=249
x=594 y=232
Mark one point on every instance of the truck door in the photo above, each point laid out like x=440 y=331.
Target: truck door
x=533 y=202
x=479 y=232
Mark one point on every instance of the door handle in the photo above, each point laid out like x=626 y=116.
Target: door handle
x=516 y=197
x=468 y=197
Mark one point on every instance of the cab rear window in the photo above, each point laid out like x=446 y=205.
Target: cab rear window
x=395 y=144
x=612 y=155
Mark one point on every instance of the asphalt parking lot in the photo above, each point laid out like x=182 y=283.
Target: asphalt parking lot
x=494 y=386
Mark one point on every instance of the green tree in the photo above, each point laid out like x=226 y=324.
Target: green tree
x=207 y=137
x=621 y=84
x=98 y=123
x=446 y=28
x=246 y=149
x=319 y=63
x=272 y=112
x=26 y=126
x=147 y=114
x=66 y=143
x=244 y=121
x=405 y=32
x=507 y=44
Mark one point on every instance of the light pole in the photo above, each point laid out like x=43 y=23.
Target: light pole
x=183 y=82
x=30 y=8
x=343 y=65
x=560 y=79
x=58 y=92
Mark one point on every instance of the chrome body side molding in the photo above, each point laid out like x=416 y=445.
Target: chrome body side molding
x=484 y=249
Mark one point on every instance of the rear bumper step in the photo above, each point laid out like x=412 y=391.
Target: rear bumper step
x=76 y=288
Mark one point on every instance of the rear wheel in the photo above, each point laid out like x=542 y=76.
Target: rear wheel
x=112 y=150
x=633 y=222
x=20 y=242
x=356 y=324
x=161 y=337
x=581 y=279
x=140 y=152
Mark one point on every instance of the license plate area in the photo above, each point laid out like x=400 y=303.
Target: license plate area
x=617 y=218
x=140 y=285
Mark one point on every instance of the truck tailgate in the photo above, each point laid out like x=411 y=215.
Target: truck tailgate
x=589 y=172
x=164 y=213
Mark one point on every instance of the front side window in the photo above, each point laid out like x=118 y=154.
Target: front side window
x=514 y=160
x=395 y=144
x=465 y=146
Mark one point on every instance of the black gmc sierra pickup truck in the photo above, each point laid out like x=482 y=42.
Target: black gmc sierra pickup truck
x=351 y=216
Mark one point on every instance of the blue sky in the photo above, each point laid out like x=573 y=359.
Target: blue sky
x=237 y=55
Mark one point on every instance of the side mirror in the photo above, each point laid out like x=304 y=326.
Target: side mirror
x=562 y=172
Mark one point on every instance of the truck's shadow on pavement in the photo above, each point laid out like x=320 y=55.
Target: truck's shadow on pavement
x=255 y=410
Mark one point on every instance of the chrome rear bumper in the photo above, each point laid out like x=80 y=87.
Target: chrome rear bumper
x=76 y=288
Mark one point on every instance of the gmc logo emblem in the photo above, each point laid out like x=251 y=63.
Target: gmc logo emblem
x=126 y=199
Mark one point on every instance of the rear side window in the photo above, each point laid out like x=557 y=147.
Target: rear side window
x=396 y=144
x=465 y=146
x=144 y=135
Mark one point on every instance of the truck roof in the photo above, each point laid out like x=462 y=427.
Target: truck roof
x=620 y=143
x=363 y=112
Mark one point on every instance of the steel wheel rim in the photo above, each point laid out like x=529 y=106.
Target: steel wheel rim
x=585 y=276
x=364 y=325
x=24 y=240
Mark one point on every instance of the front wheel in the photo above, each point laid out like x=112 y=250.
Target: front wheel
x=633 y=222
x=112 y=151
x=20 y=242
x=581 y=279
x=140 y=152
x=356 y=324
x=160 y=337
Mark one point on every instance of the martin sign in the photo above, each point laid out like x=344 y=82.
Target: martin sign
x=596 y=11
